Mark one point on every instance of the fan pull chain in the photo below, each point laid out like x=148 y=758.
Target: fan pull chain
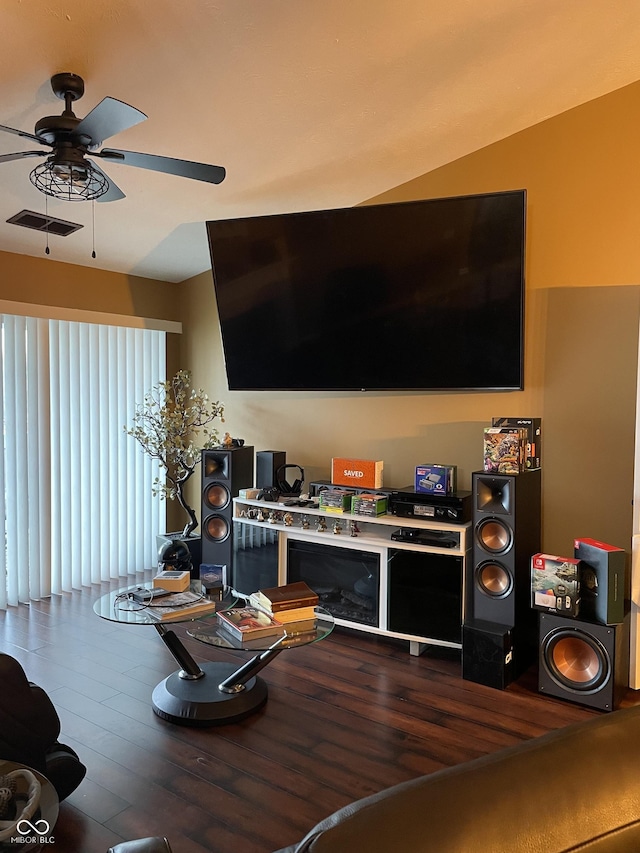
x=93 y=228
x=46 y=213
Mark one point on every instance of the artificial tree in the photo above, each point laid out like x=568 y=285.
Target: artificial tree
x=167 y=424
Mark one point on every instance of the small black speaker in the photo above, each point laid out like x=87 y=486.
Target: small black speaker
x=583 y=662
x=267 y=464
x=487 y=653
x=224 y=473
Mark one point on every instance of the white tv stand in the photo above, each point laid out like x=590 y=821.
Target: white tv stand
x=374 y=537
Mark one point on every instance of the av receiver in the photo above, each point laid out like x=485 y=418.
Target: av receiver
x=455 y=508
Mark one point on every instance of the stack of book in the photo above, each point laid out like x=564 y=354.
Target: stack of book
x=293 y=605
x=248 y=623
x=187 y=605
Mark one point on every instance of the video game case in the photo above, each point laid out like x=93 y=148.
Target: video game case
x=433 y=478
x=555 y=584
x=504 y=450
x=533 y=445
x=602 y=581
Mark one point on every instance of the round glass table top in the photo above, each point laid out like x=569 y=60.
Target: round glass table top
x=213 y=634
x=121 y=606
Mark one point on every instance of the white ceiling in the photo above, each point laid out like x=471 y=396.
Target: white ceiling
x=307 y=103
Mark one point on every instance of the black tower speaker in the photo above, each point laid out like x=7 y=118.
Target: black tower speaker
x=583 y=662
x=267 y=463
x=487 y=653
x=506 y=534
x=224 y=473
x=507 y=523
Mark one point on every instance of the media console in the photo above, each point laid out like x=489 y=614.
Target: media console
x=397 y=577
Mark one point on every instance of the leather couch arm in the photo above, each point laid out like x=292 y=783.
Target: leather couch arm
x=154 y=844
x=573 y=789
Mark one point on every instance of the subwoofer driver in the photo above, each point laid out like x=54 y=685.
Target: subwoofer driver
x=576 y=661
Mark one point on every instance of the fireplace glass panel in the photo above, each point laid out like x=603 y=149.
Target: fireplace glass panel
x=346 y=580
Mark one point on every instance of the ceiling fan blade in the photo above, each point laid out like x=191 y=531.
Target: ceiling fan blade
x=106 y=119
x=22 y=133
x=6 y=158
x=114 y=193
x=167 y=165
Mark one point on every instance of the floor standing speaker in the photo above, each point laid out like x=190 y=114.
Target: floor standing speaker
x=224 y=473
x=267 y=463
x=583 y=662
x=506 y=534
x=487 y=653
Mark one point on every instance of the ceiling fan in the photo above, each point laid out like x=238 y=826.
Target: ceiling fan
x=68 y=173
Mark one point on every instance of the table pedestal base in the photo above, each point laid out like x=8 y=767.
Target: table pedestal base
x=201 y=702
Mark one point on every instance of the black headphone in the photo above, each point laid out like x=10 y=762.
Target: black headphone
x=284 y=487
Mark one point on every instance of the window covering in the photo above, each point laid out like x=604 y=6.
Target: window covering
x=76 y=496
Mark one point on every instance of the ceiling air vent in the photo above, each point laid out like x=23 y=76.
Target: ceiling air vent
x=48 y=224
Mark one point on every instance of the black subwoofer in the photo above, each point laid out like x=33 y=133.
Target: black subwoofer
x=583 y=662
x=224 y=473
x=487 y=653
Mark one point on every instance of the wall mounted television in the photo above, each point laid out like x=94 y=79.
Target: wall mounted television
x=412 y=296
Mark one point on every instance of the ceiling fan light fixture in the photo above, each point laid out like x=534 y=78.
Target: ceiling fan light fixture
x=67 y=174
x=69 y=181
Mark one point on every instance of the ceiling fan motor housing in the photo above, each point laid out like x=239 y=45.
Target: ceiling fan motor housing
x=55 y=129
x=66 y=85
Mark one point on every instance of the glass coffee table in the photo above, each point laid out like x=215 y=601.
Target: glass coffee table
x=211 y=693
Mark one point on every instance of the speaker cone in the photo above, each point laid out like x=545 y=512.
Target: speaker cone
x=216 y=496
x=216 y=528
x=575 y=660
x=494 y=535
x=493 y=579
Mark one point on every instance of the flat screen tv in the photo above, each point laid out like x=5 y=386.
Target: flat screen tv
x=420 y=295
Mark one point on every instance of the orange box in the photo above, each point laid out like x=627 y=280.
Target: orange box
x=364 y=473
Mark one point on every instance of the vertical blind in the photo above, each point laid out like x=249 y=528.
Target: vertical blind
x=75 y=490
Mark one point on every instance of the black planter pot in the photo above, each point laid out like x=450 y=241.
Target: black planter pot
x=193 y=543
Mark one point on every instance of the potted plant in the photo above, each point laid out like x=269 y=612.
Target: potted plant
x=167 y=424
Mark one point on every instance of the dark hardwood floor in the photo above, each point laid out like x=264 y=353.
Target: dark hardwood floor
x=345 y=718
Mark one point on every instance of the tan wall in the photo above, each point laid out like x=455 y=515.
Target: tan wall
x=581 y=176
x=582 y=180
x=47 y=282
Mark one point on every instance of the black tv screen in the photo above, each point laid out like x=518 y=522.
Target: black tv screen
x=421 y=295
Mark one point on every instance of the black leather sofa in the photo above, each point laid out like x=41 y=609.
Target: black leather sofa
x=155 y=844
x=575 y=789
x=30 y=727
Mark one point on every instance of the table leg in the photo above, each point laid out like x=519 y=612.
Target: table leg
x=189 y=669
x=210 y=694
x=237 y=680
